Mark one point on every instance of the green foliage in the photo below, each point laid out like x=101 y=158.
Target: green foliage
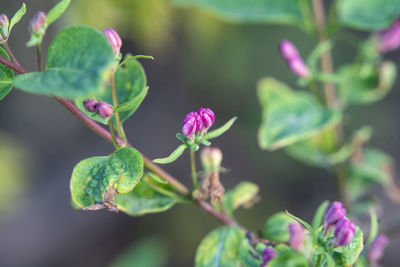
x=130 y=85
x=95 y=181
x=289 y=259
x=373 y=228
x=52 y=16
x=149 y=196
x=363 y=84
x=220 y=248
x=252 y=11
x=249 y=256
x=242 y=194
x=16 y=18
x=220 y=131
x=173 y=156
x=6 y=76
x=147 y=252
x=348 y=255
x=276 y=227
x=371 y=15
x=290 y=117
x=319 y=215
x=80 y=70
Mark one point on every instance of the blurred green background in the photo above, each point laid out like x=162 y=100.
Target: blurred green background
x=200 y=61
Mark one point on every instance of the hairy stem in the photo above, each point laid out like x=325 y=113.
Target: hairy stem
x=193 y=168
x=120 y=128
x=111 y=126
x=150 y=165
x=330 y=93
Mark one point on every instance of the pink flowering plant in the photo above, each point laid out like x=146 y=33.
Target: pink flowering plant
x=85 y=72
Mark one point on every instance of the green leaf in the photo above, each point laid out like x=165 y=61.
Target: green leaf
x=289 y=117
x=80 y=70
x=146 y=199
x=221 y=130
x=16 y=18
x=249 y=256
x=319 y=215
x=289 y=259
x=276 y=227
x=95 y=181
x=220 y=248
x=363 y=84
x=57 y=11
x=376 y=14
x=304 y=223
x=373 y=228
x=251 y=11
x=174 y=155
x=130 y=84
x=147 y=252
x=6 y=76
x=348 y=255
x=242 y=194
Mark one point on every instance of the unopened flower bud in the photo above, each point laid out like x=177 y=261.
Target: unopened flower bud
x=38 y=22
x=344 y=232
x=296 y=240
x=207 y=117
x=375 y=251
x=211 y=158
x=288 y=50
x=191 y=125
x=90 y=105
x=4 y=23
x=298 y=67
x=267 y=255
x=104 y=109
x=389 y=39
x=114 y=39
x=333 y=214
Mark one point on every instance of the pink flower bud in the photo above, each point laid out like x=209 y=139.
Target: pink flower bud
x=114 y=39
x=90 y=105
x=3 y=26
x=344 y=232
x=288 y=50
x=191 y=125
x=375 y=251
x=298 y=67
x=38 y=22
x=333 y=214
x=267 y=255
x=104 y=109
x=296 y=240
x=389 y=39
x=211 y=158
x=207 y=117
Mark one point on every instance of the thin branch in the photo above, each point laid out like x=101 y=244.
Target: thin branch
x=10 y=53
x=11 y=65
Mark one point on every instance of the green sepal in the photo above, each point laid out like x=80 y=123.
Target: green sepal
x=319 y=215
x=304 y=223
x=173 y=156
x=16 y=18
x=218 y=132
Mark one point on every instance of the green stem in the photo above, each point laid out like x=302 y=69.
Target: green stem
x=193 y=168
x=120 y=128
x=318 y=260
x=114 y=140
x=10 y=53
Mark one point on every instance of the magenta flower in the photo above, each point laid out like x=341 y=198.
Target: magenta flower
x=389 y=39
x=344 y=232
x=90 y=104
x=298 y=67
x=3 y=26
x=288 y=50
x=207 y=116
x=296 y=240
x=104 y=109
x=191 y=125
x=267 y=255
x=38 y=22
x=333 y=214
x=114 y=39
x=375 y=251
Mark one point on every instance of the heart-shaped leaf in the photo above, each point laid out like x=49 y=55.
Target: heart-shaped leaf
x=6 y=76
x=96 y=181
x=289 y=117
x=276 y=227
x=79 y=61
